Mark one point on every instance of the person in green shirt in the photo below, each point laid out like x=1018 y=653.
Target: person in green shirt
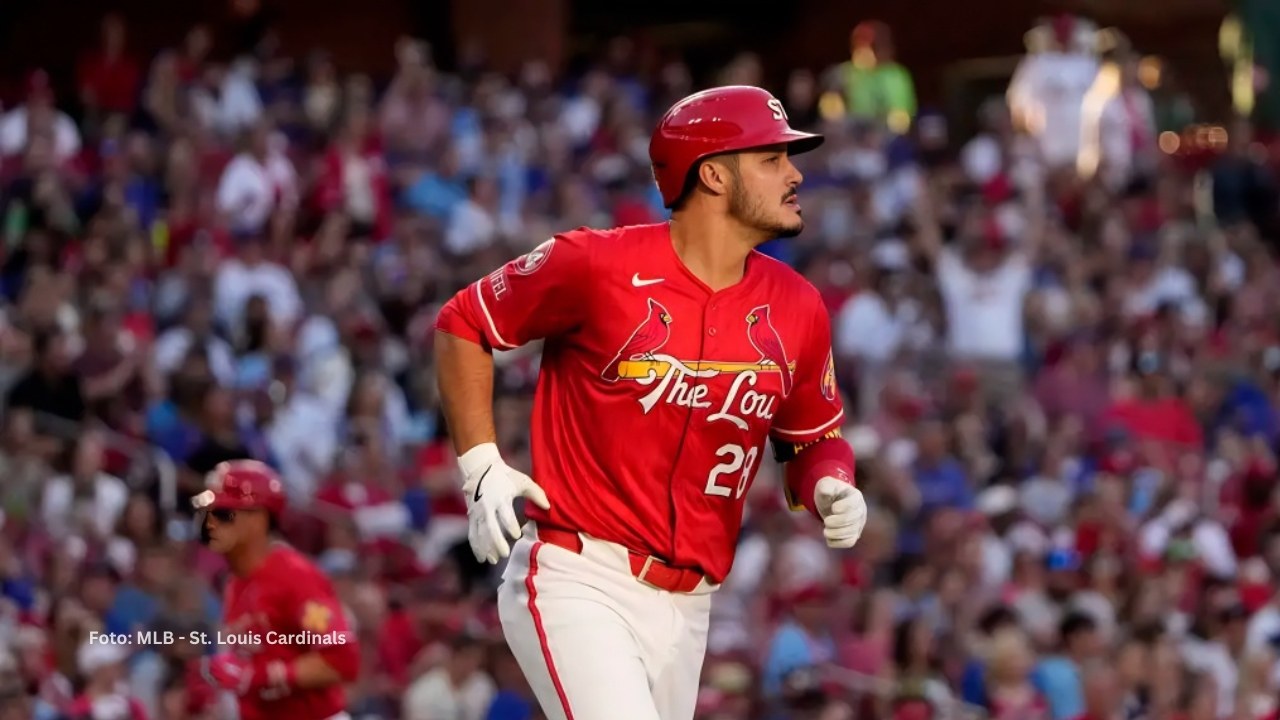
x=872 y=84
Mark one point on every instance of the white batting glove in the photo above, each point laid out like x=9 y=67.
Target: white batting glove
x=491 y=487
x=843 y=511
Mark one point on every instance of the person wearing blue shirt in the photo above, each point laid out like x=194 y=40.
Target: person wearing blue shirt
x=139 y=601
x=508 y=705
x=1058 y=677
x=437 y=192
x=803 y=640
x=1247 y=410
x=514 y=700
x=940 y=479
x=973 y=681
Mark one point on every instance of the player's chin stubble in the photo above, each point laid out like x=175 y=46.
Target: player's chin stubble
x=754 y=212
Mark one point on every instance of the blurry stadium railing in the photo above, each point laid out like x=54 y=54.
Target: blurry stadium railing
x=861 y=685
x=147 y=463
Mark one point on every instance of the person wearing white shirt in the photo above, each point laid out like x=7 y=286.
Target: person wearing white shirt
x=1048 y=89
x=1264 y=626
x=303 y=434
x=984 y=287
x=984 y=301
x=16 y=130
x=86 y=498
x=1155 y=282
x=580 y=116
x=1119 y=128
x=473 y=224
x=248 y=274
x=457 y=689
x=38 y=115
x=257 y=182
x=876 y=325
x=172 y=346
x=227 y=101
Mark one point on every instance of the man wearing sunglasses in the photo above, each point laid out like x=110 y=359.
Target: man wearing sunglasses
x=288 y=648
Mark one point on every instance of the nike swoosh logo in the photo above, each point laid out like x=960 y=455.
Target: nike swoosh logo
x=637 y=282
x=476 y=497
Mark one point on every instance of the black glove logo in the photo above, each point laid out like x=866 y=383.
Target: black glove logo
x=476 y=498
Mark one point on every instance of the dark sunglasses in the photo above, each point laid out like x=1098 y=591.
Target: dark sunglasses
x=223 y=515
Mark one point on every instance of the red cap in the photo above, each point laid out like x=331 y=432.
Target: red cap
x=1118 y=462
x=241 y=485
x=1064 y=27
x=719 y=120
x=997 y=190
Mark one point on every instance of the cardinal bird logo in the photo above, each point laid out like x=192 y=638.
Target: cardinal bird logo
x=648 y=338
x=766 y=342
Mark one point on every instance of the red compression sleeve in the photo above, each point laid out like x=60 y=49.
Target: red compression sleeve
x=828 y=457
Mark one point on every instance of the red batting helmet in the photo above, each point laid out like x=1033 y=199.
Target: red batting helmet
x=241 y=485
x=719 y=120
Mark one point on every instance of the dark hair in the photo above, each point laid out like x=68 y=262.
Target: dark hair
x=691 y=178
x=43 y=339
x=1269 y=533
x=996 y=618
x=902 y=641
x=1073 y=624
x=1148 y=632
x=466 y=641
x=907 y=564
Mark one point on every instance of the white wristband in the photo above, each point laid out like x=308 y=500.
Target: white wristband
x=478 y=458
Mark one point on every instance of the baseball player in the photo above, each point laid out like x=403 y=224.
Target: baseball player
x=672 y=353
x=290 y=647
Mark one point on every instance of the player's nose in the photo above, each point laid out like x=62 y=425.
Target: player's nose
x=794 y=176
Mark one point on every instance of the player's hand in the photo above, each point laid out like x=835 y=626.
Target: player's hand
x=491 y=487
x=843 y=511
x=229 y=672
x=241 y=676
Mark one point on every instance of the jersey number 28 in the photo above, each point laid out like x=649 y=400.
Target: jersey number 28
x=738 y=460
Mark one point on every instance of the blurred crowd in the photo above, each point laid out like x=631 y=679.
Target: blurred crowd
x=1059 y=345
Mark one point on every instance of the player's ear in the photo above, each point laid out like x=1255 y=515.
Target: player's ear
x=718 y=174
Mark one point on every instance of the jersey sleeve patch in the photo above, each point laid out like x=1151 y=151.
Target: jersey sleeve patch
x=316 y=617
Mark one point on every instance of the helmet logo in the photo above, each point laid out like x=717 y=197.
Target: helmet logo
x=776 y=106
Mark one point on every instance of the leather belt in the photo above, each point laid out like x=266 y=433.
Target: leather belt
x=648 y=569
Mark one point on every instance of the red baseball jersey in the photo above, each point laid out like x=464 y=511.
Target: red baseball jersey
x=284 y=609
x=656 y=396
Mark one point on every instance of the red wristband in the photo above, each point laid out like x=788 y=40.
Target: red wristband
x=831 y=457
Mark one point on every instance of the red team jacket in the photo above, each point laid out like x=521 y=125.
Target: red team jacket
x=285 y=609
x=656 y=395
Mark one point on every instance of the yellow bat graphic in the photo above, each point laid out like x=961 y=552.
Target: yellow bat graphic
x=640 y=369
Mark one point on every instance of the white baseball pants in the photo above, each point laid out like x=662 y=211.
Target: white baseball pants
x=594 y=642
